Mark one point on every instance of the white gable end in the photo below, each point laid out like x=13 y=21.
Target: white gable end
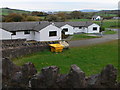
x=4 y=34
x=94 y=28
x=70 y=29
x=50 y=33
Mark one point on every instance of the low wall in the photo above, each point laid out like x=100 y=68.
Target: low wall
x=21 y=51
x=12 y=41
x=27 y=77
x=18 y=48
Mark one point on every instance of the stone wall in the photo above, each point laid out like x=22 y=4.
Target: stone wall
x=19 y=47
x=27 y=77
x=21 y=51
x=12 y=41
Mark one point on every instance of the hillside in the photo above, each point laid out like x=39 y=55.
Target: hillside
x=108 y=13
x=89 y=10
x=6 y=11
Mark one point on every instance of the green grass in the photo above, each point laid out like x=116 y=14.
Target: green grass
x=108 y=23
x=91 y=59
x=109 y=32
x=77 y=20
x=83 y=36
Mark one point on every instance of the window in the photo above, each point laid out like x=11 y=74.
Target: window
x=13 y=33
x=26 y=32
x=52 y=33
x=65 y=29
x=80 y=27
x=94 y=28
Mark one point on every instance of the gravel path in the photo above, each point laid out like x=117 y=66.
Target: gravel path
x=86 y=42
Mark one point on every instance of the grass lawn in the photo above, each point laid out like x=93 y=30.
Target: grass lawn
x=110 y=32
x=83 y=36
x=77 y=20
x=91 y=59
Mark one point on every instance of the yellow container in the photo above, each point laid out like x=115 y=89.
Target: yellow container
x=56 y=47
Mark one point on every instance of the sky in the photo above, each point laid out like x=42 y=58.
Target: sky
x=60 y=5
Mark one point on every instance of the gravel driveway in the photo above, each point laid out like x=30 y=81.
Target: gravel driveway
x=86 y=42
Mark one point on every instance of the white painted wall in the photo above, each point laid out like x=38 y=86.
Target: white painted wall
x=21 y=35
x=70 y=29
x=37 y=36
x=78 y=30
x=90 y=28
x=44 y=33
x=4 y=34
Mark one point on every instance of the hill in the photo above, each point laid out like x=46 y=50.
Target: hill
x=89 y=10
x=6 y=11
x=108 y=13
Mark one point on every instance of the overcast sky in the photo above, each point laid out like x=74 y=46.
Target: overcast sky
x=60 y=5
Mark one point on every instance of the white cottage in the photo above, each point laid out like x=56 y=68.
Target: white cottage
x=65 y=28
x=39 y=31
x=47 y=32
x=96 y=18
x=82 y=27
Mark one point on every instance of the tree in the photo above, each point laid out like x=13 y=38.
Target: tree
x=53 y=18
x=76 y=14
x=31 y=18
x=36 y=13
x=62 y=16
x=14 y=18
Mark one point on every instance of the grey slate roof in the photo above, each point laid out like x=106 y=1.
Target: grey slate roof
x=19 y=26
x=37 y=26
x=41 y=25
x=74 y=24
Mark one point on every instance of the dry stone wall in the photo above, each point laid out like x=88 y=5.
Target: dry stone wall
x=19 y=47
x=27 y=77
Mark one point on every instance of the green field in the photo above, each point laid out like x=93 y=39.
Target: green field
x=110 y=32
x=83 y=36
x=108 y=23
x=77 y=20
x=91 y=59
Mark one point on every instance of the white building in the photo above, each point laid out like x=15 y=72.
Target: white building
x=46 y=31
x=96 y=18
x=70 y=28
x=80 y=27
x=39 y=31
x=66 y=28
